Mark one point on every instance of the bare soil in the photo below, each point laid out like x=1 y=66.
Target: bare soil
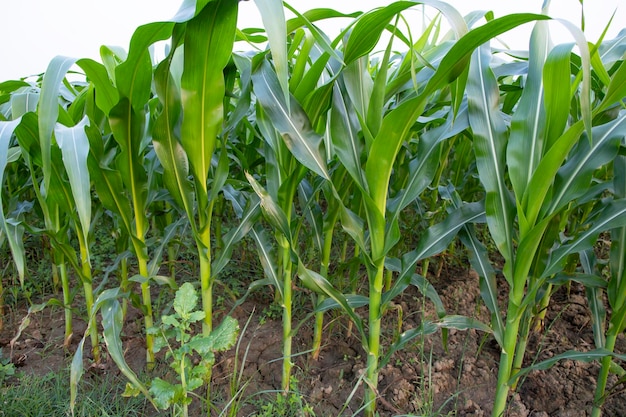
x=423 y=379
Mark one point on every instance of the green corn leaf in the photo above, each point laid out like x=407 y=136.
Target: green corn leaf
x=590 y=356
x=344 y=135
x=23 y=103
x=273 y=17
x=526 y=140
x=166 y=144
x=438 y=237
x=248 y=217
x=107 y=182
x=557 y=94
x=424 y=329
x=208 y=44
x=359 y=86
x=489 y=132
x=74 y=146
x=616 y=290
x=353 y=300
x=320 y=285
x=314 y=15
x=128 y=130
x=272 y=210
x=107 y=95
x=312 y=212
x=268 y=263
x=16 y=245
x=290 y=121
x=479 y=259
x=612 y=215
x=112 y=322
x=462 y=323
x=430 y=292
x=398 y=123
x=574 y=178
x=48 y=109
x=368 y=29
x=133 y=77
x=423 y=166
x=302 y=19
x=617 y=88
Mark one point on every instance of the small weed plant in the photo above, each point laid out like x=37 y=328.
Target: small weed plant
x=7 y=368
x=175 y=333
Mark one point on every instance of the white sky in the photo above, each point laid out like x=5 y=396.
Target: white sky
x=32 y=32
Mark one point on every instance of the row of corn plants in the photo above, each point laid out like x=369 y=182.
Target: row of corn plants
x=315 y=146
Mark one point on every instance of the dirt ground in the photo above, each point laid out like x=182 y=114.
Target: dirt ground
x=422 y=379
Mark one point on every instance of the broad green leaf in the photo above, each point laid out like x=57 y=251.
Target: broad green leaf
x=222 y=338
x=526 y=140
x=48 y=109
x=23 y=103
x=347 y=144
x=320 y=285
x=129 y=130
x=489 y=131
x=112 y=322
x=574 y=178
x=616 y=290
x=272 y=210
x=107 y=95
x=268 y=263
x=186 y=300
x=247 y=220
x=479 y=260
x=368 y=29
x=612 y=215
x=273 y=17
x=107 y=182
x=163 y=392
x=437 y=238
x=592 y=355
x=208 y=44
x=167 y=144
x=74 y=146
x=290 y=121
x=133 y=77
x=16 y=246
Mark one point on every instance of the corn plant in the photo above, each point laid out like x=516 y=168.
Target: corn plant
x=547 y=172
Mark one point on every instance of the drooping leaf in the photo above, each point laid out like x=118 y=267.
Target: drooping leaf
x=290 y=121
